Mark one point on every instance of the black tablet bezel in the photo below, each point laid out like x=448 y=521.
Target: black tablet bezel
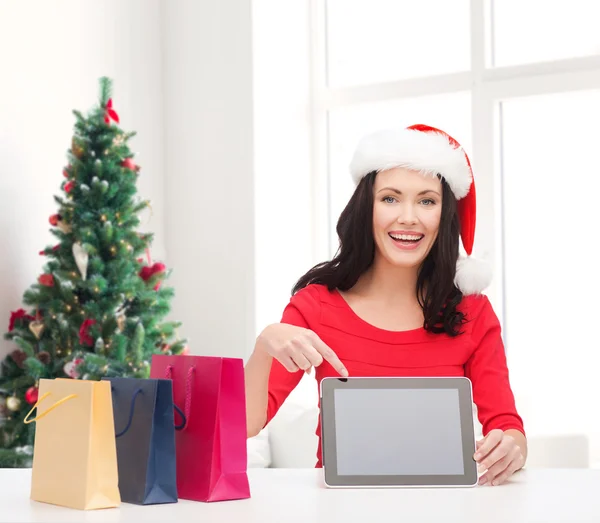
x=328 y=440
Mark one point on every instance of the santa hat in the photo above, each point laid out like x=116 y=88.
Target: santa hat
x=430 y=151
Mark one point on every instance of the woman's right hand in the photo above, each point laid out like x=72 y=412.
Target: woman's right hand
x=297 y=348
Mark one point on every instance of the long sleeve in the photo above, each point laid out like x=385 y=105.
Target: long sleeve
x=488 y=372
x=302 y=308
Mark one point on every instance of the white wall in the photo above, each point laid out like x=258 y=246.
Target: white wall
x=53 y=53
x=209 y=172
x=283 y=183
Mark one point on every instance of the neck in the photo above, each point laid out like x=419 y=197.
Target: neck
x=391 y=284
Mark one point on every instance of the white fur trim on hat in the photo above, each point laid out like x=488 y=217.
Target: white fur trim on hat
x=427 y=152
x=472 y=275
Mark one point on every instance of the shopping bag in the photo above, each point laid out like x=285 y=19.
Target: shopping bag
x=211 y=448
x=74 y=453
x=145 y=433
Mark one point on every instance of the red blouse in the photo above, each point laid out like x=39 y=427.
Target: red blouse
x=366 y=350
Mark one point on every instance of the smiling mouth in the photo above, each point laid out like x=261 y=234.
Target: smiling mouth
x=407 y=239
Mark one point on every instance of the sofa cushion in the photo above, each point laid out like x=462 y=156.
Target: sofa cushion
x=259 y=450
x=292 y=431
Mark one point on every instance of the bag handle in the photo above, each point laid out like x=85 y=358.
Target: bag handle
x=59 y=402
x=131 y=409
x=188 y=394
x=183 y=417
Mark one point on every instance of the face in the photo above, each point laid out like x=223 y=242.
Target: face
x=407 y=206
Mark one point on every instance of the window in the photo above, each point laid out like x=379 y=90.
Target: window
x=518 y=84
x=383 y=40
x=551 y=185
x=528 y=31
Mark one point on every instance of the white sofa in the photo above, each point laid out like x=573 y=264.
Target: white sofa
x=289 y=441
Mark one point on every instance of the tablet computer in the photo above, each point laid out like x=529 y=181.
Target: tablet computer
x=397 y=432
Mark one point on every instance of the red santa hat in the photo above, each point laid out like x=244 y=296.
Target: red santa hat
x=430 y=151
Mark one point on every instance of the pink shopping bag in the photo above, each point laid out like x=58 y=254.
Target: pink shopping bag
x=211 y=450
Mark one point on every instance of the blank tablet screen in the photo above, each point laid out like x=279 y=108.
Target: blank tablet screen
x=398 y=432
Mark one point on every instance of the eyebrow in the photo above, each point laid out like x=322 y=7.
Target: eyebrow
x=400 y=192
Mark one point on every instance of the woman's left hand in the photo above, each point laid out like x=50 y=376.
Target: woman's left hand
x=500 y=455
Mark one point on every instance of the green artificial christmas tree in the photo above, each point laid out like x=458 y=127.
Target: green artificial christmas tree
x=98 y=309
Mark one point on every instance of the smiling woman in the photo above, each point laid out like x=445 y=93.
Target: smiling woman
x=396 y=299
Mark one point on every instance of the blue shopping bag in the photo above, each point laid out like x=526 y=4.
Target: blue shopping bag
x=145 y=435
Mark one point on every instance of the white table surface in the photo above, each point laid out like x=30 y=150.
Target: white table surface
x=294 y=495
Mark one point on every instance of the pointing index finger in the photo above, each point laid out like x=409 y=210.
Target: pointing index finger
x=329 y=356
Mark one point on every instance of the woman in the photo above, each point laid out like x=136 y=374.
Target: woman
x=397 y=300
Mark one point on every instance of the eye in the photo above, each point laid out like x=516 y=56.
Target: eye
x=388 y=199
x=428 y=202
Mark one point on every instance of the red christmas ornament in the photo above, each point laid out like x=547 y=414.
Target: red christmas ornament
x=31 y=396
x=47 y=280
x=69 y=186
x=55 y=248
x=84 y=332
x=110 y=113
x=54 y=219
x=148 y=271
x=18 y=315
x=128 y=163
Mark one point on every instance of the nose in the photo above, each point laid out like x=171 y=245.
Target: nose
x=407 y=215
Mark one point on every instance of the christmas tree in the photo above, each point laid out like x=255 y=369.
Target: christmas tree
x=98 y=309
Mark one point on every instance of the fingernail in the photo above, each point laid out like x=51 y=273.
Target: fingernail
x=482 y=481
x=477 y=455
x=344 y=373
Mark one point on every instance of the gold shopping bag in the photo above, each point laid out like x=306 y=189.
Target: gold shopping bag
x=74 y=453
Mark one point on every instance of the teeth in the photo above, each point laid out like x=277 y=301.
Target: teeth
x=406 y=237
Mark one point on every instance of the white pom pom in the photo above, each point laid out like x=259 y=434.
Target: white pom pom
x=472 y=275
